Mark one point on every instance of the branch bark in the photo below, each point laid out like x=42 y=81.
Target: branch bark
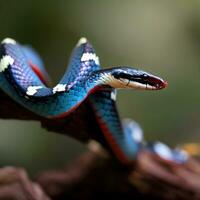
x=94 y=176
x=83 y=117
x=16 y=185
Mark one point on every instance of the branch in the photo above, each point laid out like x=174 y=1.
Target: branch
x=94 y=176
x=15 y=185
x=83 y=117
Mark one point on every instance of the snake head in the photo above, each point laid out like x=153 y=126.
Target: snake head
x=126 y=77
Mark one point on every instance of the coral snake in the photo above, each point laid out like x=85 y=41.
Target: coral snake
x=23 y=78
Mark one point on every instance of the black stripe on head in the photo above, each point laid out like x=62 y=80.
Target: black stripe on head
x=139 y=76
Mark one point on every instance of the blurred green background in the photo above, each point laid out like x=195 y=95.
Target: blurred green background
x=162 y=37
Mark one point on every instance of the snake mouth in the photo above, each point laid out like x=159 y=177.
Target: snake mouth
x=131 y=78
x=157 y=83
x=146 y=82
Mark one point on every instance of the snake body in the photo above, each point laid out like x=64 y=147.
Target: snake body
x=23 y=78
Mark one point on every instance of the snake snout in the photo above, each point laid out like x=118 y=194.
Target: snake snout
x=163 y=84
x=158 y=83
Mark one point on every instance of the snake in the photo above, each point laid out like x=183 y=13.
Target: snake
x=23 y=77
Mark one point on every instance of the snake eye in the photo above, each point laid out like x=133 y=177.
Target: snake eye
x=116 y=75
x=145 y=77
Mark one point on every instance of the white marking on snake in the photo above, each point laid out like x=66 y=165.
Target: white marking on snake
x=31 y=90
x=182 y=153
x=8 y=41
x=136 y=130
x=113 y=95
x=5 y=62
x=137 y=133
x=82 y=40
x=163 y=150
x=59 y=88
x=90 y=56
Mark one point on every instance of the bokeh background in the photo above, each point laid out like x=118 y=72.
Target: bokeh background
x=162 y=37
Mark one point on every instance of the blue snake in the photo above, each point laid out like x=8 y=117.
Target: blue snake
x=23 y=78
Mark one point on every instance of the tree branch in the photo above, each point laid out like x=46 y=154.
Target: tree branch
x=94 y=176
x=80 y=125
x=15 y=185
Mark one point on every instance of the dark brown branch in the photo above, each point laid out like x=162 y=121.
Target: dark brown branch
x=80 y=124
x=15 y=185
x=93 y=176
